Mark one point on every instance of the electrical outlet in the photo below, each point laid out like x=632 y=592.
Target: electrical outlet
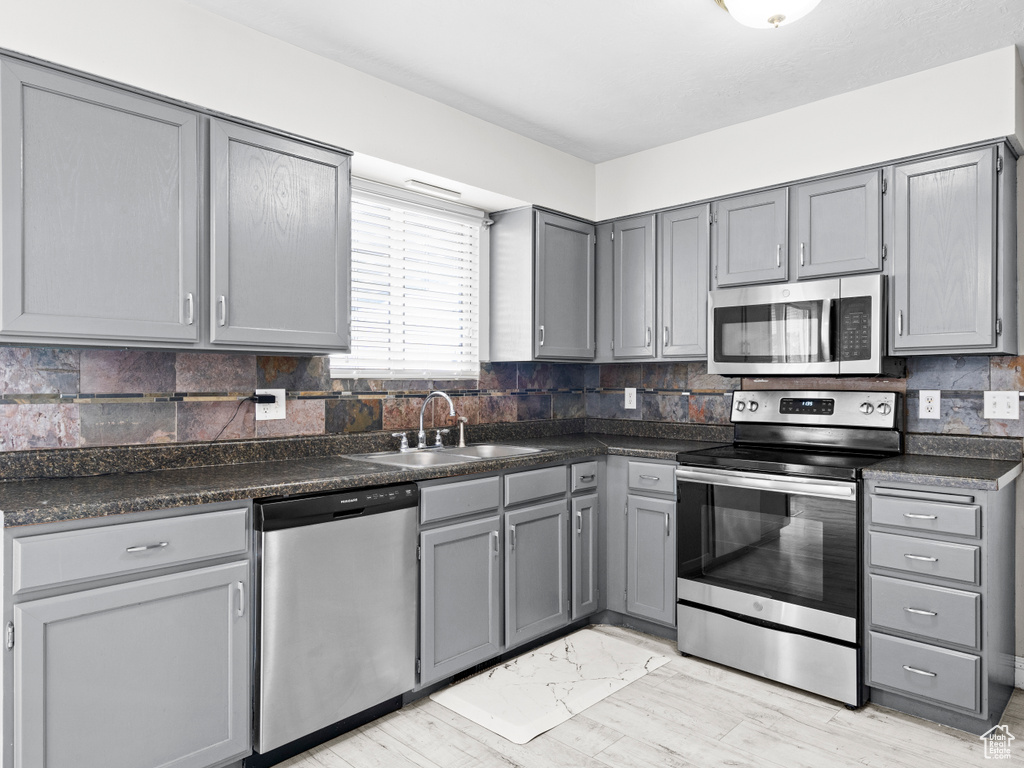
x=1002 y=405
x=931 y=402
x=275 y=410
x=631 y=398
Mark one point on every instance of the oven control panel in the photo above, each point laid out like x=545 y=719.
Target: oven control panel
x=839 y=408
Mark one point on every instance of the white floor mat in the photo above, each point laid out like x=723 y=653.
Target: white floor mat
x=534 y=692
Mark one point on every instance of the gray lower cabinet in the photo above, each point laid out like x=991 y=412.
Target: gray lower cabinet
x=683 y=244
x=584 y=521
x=939 y=601
x=460 y=596
x=651 y=558
x=954 y=254
x=536 y=570
x=98 y=212
x=750 y=238
x=838 y=224
x=542 y=286
x=280 y=241
x=633 y=264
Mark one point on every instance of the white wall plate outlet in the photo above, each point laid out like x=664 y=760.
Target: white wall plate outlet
x=631 y=398
x=275 y=410
x=1002 y=404
x=931 y=402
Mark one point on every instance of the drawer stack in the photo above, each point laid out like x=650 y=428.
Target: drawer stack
x=939 y=601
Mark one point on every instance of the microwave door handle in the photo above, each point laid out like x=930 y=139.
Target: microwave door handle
x=828 y=322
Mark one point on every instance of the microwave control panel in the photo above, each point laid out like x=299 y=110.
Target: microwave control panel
x=855 y=328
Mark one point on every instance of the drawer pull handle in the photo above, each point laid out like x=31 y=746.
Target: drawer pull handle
x=587 y=478
x=913 y=516
x=919 y=671
x=655 y=478
x=923 y=558
x=147 y=547
x=920 y=612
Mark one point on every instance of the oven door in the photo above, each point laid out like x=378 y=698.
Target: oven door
x=773 y=548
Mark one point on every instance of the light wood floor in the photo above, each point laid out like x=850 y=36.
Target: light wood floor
x=687 y=713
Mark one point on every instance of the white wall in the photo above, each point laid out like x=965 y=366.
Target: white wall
x=972 y=100
x=175 y=49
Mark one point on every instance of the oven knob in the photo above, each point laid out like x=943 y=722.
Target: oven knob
x=885 y=409
x=753 y=405
x=740 y=405
x=867 y=408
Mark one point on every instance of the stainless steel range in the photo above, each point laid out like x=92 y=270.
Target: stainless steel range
x=768 y=538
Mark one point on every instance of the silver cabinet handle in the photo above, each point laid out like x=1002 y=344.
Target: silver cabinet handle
x=542 y=335
x=664 y=337
x=579 y=522
x=778 y=255
x=923 y=558
x=668 y=526
x=222 y=306
x=914 y=516
x=148 y=547
x=899 y=323
x=190 y=314
x=920 y=612
x=512 y=537
x=650 y=477
x=919 y=671
x=647 y=337
x=587 y=478
x=241 y=598
x=801 y=254
x=495 y=534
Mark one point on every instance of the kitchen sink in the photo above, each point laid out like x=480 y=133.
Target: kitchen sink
x=490 y=451
x=416 y=459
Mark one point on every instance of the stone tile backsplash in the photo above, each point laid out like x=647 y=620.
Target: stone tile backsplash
x=64 y=398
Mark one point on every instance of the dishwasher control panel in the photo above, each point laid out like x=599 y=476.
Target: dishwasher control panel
x=294 y=511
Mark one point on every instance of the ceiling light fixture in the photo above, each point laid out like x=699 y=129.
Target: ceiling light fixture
x=767 y=14
x=430 y=189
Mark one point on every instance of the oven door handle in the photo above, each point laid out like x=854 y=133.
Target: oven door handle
x=796 y=486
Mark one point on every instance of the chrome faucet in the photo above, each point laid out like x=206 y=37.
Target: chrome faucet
x=421 y=438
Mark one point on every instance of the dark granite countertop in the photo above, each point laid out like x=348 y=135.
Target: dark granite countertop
x=29 y=502
x=945 y=471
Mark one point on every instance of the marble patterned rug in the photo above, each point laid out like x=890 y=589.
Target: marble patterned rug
x=533 y=693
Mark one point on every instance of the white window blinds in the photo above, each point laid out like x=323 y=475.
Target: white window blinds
x=415 y=287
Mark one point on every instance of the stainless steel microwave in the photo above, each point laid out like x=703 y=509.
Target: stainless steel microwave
x=820 y=328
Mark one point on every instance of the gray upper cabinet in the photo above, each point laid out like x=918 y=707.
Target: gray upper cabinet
x=536 y=571
x=651 y=558
x=683 y=282
x=99 y=207
x=153 y=672
x=953 y=256
x=633 y=264
x=750 y=238
x=280 y=241
x=542 y=287
x=838 y=225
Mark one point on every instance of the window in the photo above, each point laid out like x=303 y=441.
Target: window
x=415 y=287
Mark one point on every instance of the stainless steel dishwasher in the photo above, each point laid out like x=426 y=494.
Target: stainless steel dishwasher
x=337 y=608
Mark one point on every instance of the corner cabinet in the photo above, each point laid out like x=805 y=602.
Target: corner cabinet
x=542 y=287
x=750 y=238
x=280 y=241
x=954 y=252
x=98 y=212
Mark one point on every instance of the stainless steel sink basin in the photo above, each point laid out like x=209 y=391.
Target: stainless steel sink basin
x=490 y=451
x=417 y=459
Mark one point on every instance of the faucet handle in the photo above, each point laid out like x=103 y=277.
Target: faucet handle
x=437 y=439
x=463 y=419
x=405 y=440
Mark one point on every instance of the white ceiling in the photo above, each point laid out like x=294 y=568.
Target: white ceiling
x=604 y=78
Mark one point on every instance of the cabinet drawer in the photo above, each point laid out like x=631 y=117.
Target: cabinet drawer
x=440 y=502
x=584 y=476
x=534 y=484
x=921 y=515
x=927 y=557
x=945 y=676
x=657 y=478
x=949 y=615
x=58 y=558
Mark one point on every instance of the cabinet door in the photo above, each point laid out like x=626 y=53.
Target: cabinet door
x=750 y=238
x=536 y=571
x=633 y=287
x=944 y=243
x=460 y=597
x=149 y=673
x=651 y=558
x=839 y=223
x=683 y=243
x=280 y=241
x=584 y=522
x=564 y=277
x=99 y=211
